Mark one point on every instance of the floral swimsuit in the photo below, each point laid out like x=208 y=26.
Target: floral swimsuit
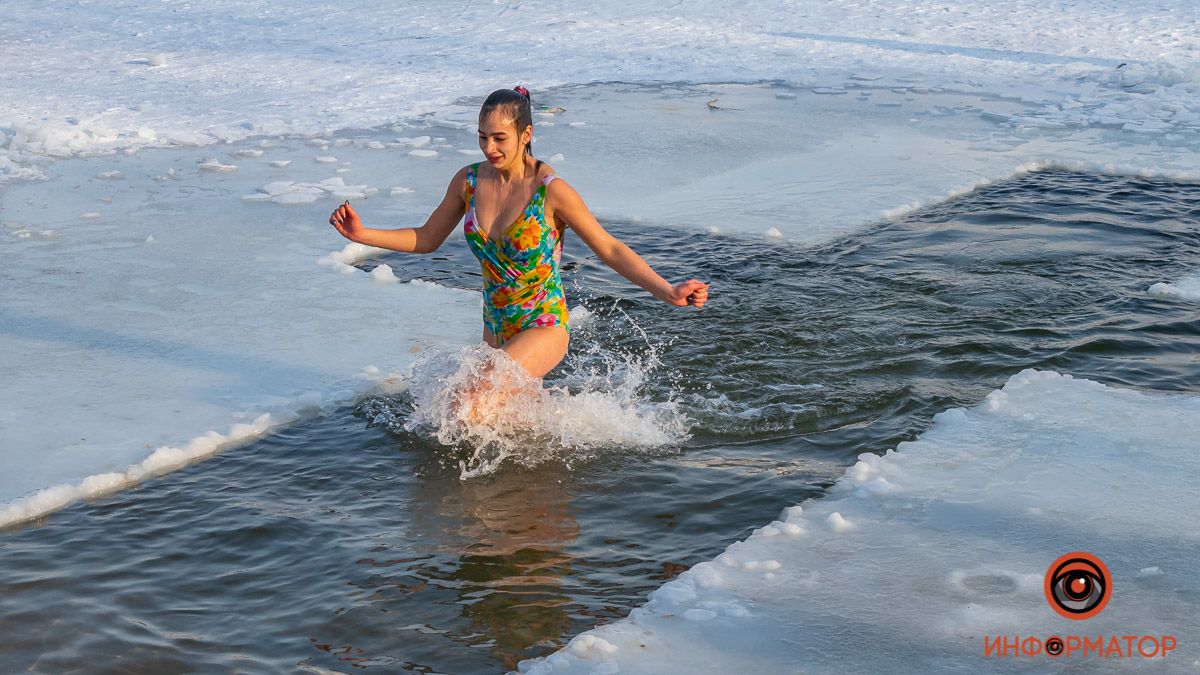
x=521 y=286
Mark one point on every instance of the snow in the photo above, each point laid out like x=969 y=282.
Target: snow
x=913 y=558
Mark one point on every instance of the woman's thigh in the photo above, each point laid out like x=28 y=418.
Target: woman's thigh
x=538 y=350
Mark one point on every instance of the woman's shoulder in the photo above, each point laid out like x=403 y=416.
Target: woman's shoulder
x=550 y=178
x=463 y=175
x=460 y=183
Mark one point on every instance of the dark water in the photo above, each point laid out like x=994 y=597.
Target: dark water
x=340 y=544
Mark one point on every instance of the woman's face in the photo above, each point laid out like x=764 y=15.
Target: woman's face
x=499 y=140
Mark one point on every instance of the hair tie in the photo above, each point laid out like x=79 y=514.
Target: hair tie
x=522 y=91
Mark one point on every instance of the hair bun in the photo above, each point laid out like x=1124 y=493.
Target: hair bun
x=522 y=91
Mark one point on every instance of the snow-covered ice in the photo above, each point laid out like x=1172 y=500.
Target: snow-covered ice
x=216 y=166
x=251 y=71
x=178 y=312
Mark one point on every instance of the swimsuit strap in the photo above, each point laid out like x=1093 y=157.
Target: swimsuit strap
x=548 y=178
x=472 y=176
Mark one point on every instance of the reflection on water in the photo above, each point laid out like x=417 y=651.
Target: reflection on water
x=510 y=537
x=495 y=549
x=348 y=542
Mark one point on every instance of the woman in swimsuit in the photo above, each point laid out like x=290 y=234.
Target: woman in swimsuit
x=517 y=211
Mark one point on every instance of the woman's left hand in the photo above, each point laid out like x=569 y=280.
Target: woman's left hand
x=690 y=292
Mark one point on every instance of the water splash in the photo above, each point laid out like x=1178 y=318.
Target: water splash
x=480 y=402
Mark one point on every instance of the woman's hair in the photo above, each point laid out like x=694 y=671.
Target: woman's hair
x=515 y=102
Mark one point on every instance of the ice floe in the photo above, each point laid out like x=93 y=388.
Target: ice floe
x=983 y=502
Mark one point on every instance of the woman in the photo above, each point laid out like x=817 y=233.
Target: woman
x=517 y=211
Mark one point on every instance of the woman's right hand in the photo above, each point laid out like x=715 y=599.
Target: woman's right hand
x=346 y=221
x=690 y=292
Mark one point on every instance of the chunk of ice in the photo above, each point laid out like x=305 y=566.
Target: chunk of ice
x=383 y=274
x=293 y=198
x=216 y=166
x=414 y=142
x=279 y=187
x=839 y=523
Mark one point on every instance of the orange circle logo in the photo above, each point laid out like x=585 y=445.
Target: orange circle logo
x=1078 y=585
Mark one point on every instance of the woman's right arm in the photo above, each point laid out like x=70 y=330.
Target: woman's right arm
x=424 y=239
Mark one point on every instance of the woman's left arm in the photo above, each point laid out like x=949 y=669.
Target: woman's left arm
x=566 y=205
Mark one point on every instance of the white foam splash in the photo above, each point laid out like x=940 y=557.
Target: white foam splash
x=478 y=398
x=1187 y=288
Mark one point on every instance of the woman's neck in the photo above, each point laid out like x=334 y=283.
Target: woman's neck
x=516 y=172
